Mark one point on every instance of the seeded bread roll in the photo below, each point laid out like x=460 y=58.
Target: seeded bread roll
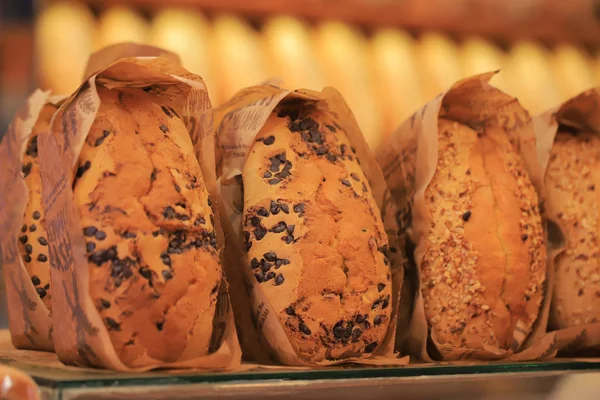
x=33 y=241
x=147 y=220
x=572 y=182
x=314 y=237
x=484 y=267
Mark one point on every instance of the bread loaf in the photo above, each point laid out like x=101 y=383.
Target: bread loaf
x=150 y=236
x=483 y=269
x=314 y=237
x=572 y=184
x=33 y=241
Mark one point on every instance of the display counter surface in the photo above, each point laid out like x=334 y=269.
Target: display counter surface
x=527 y=380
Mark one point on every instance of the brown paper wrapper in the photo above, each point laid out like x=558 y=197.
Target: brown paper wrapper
x=238 y=123
x=80 y=335
x=409 y=160
x=580 y=114
x=30 y=321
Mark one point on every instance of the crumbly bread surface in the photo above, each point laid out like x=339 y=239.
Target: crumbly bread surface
x=33 y=241
x=314 y=236
x=573 y=189
x=149 y=230
x=483 y=271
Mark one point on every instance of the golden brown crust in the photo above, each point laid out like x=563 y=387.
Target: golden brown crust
x=484 y=268
x=314 y=236
x=33 y=241
x=148 y=224
x=573 y=189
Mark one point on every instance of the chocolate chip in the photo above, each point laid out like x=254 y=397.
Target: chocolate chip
x=26 y=169
x=274 y=181
x=591 y=188
x=90 y=246
x=265 y=266
x=378 y=319
x=27 y=258
x=370 y=347
x=166 y=111
x=466 y=216
x=199 y=221
x=360 y=318
x=100 y=235
x=260 y=232
x=35 y=280
x=167 y=275
x=247 y=246
x=385 y=303
x=279 y=227
x=338 y=330
x=166 y=259
x=331 y=128
x=331 y=158
x=288 y=239
x=32 y=228
x=290 y=229
x=274 y=208
x=153 y=174
x=23 y=239
x=270 y=276
x=32 y=148
x=304 y=329
x=346 y=182
x=262 y=212
x=146 y=272
x=100 y=140
x=269 y=140
x=290 y=311
x=104 y=303
x=169 y=212
x=267 y=174
x=299 y=208
x=97 y=258
x=350 y=158
x=255 y=221
x=580 y=292
x=380 y=286
x=41 y=292
x=42 y=240
x=355 y=176
x=321 y=151
x=28 y=248
x=47 y=287
x=83 y=168
x=356 y=334
x=524 y=237
x=112 y=324
x=89 y=231
x=316 y=136
x=260 y=277
x=270 y=256
x=254 y=263
x=164 y=128
x=159 y=325
x=42 y=258
x=279 y=279
x=24 y=228
x=110 y=253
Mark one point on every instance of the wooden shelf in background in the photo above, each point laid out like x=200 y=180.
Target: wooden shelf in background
x=551 y=20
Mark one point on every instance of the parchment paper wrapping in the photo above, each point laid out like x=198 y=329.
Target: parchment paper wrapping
x=80 y=335
x=238 y=122
x=409 y=160
x=580 y=113
x=30 y=321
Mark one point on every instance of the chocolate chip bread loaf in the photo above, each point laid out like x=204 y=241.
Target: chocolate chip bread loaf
x=33 y=241
x=149 y=229
x=314 y=237
x=573 y=186
x=483 y=269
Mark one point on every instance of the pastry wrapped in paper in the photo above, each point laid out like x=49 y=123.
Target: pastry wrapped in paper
x=567 y=142
x=134 y=242
x=290 y=163
x=24 y=241
x=456 y=170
